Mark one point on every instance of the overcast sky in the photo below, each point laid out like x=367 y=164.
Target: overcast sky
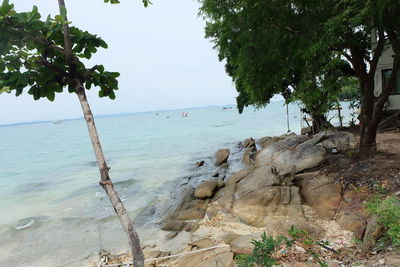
x=160 y=51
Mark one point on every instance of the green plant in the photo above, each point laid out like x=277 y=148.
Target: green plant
x=387 y=211
x=263 y=250
x=296 y=233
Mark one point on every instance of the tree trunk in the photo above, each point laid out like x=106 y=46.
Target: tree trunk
x=106 y=183
x=319 y=122
x=370 y=117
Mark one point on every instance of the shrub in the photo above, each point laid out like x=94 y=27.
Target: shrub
x=387 y=211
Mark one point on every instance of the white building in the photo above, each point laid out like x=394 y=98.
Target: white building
x=382 y=75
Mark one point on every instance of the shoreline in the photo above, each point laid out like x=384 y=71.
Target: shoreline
x=219 y=226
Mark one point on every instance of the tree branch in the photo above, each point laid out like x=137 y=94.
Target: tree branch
x=377 y=54
x=90 y=71
x=44 y=62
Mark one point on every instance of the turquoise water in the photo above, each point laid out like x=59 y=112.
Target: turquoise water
x=49 y=178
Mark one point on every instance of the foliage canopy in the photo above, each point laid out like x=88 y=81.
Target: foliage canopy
x=32 y=56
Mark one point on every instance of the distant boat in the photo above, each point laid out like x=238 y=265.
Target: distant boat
x=57 y=122
x=227 y=108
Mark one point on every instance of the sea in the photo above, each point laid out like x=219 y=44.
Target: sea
x=53 y=211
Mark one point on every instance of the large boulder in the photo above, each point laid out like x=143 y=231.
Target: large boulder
x=258 y=178
x=206 y=189
x=186 y=213
x=339 y=140
x=225 y=196
x=221 y=156
x=257 y=206
x=238 y=176
x=293 y=154
x=266 y=155
x=352 y=221
x=320 y=192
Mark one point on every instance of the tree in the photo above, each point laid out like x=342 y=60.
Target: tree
x=263 y=44
x=44 y=56
x=359 y=30
x=269 y=44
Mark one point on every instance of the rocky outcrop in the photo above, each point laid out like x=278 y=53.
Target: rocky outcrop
x=236 y=177
x=221 y=156
x=291 y=155
x=353 y=222
x=186 y=215
x=339 y=140
x=258 y=206
x=206 y=189
x=320 y=192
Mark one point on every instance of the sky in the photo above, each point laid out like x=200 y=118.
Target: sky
x=164 y=60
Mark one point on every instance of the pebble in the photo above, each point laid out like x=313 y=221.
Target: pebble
x=298 y=248
x=382 y=261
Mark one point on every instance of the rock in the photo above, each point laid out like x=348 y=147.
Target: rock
x=271 y=151
x=256 y=206
x=372 y=233
x=186 y=214
x=258 y=178
x=301 y=249
x=225 y=196
x=202 y=243
x=306 y=130
x=242 y=244
x=236 y=177
x=246 y=159
x=293 y=154
x=229 y=237
x=339 y=140
x=189 y=214
x=210 y=258
x=320 y=193
x=249 y=143
x=353 y=222
x=221 y=156
x=199 y=163
x=206 y=189
x=174 y=226
x=266 y=141
x=171 y=235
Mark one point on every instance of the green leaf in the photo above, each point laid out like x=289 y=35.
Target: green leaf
x=87 y=53
x=50 y=95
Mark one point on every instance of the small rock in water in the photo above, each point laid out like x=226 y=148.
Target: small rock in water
x=199 y=163
x=171 y=235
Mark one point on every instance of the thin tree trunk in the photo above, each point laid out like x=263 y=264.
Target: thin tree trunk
x=105 y=181
x=287 y=117
x=340 y=115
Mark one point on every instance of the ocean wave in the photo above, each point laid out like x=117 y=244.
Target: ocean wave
x=29 y=222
